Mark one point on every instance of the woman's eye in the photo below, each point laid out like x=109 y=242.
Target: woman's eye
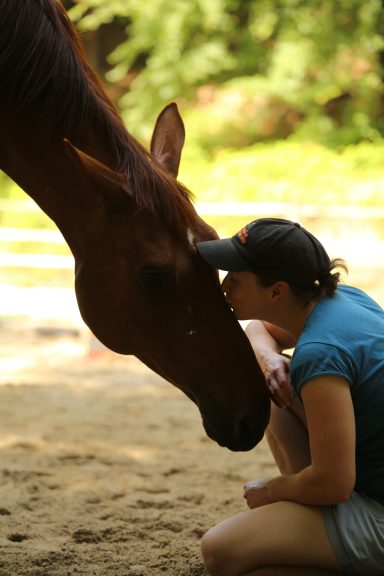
x=153 y=279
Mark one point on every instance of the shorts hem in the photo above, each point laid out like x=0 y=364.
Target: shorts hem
x=329 y=513
x=355 y=530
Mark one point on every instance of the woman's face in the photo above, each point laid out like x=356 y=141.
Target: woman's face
x=247 y=298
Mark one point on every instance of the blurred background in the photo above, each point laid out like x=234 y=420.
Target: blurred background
x=104 y=467
x=283 y=102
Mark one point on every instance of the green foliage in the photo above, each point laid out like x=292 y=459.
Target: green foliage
x=301 y=173
x=281 y=171
x=319 y=61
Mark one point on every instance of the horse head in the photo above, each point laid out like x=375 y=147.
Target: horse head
x=141 y=287
x=143 y=290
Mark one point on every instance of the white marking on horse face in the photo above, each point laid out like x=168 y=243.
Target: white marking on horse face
x=190 y=332
x=191 y=237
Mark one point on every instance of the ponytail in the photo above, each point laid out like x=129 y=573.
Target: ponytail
x=328 y=283
x=324 y=286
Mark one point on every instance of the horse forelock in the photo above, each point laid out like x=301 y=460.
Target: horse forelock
x=43 y=72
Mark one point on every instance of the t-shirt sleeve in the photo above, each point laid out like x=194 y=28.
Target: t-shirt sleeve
x=317 y=359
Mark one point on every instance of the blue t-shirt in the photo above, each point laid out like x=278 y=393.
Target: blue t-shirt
x=344 y=336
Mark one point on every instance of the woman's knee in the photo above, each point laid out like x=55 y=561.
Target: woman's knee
x=212 y=549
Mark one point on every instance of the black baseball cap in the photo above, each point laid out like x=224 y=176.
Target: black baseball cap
x=270 y=244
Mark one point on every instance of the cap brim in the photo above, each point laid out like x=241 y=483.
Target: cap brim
x=223 y=254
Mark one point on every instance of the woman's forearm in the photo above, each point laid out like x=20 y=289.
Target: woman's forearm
x=311 y=487
x=268 y=337
x=273 y=364
x=261 y=340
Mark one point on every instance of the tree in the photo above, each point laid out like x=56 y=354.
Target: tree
x=319 y=59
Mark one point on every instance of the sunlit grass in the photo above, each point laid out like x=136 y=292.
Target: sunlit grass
x=305 y=173
x=281 y=172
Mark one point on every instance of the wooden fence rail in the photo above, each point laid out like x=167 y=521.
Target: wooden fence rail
x=247 y=208
x=368 y=251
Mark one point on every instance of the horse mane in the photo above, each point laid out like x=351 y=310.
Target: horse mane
x=44 y=73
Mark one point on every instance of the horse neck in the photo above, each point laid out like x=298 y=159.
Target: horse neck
x=38 y=110
x=33 y=158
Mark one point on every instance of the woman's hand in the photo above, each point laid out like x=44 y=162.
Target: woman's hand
x=275 y=368
x=268 y=341
x=256 y=493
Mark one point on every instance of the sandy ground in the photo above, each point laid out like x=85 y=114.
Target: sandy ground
x=105 y=468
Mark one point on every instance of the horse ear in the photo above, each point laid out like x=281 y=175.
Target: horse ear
x=98 y=180
x=168 y=139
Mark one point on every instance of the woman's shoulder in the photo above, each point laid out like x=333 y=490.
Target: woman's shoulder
x=357 y=297
x=347 y=310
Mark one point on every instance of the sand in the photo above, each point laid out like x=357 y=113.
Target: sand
x=105 y=468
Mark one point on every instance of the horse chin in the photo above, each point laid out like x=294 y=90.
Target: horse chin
x=233 y=443
x=238 y=447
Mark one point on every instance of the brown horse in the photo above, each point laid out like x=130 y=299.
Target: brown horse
x=140 y=286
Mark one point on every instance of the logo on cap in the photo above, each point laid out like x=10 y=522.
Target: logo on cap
x=243 y=235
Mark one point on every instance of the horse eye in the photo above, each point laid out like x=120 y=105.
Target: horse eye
x=152 y=278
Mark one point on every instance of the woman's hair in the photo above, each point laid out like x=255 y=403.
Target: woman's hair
x=324 y=286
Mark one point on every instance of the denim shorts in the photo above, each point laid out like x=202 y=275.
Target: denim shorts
x=356 y=532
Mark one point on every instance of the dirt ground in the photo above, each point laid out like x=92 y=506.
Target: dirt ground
x=105 y=468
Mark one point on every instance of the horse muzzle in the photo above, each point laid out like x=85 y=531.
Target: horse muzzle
x=238 y=435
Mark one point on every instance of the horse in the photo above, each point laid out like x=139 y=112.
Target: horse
x=130 y=224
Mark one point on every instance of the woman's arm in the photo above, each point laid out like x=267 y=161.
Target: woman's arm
x=264 y=335
x=331 y=425
x=268 y=341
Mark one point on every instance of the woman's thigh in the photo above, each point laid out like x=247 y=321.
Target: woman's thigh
x=284 y=533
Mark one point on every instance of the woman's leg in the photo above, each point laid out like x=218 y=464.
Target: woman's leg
x=287 y=437
x=280 y=534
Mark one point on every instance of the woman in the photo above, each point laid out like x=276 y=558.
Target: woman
x=324 y=514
